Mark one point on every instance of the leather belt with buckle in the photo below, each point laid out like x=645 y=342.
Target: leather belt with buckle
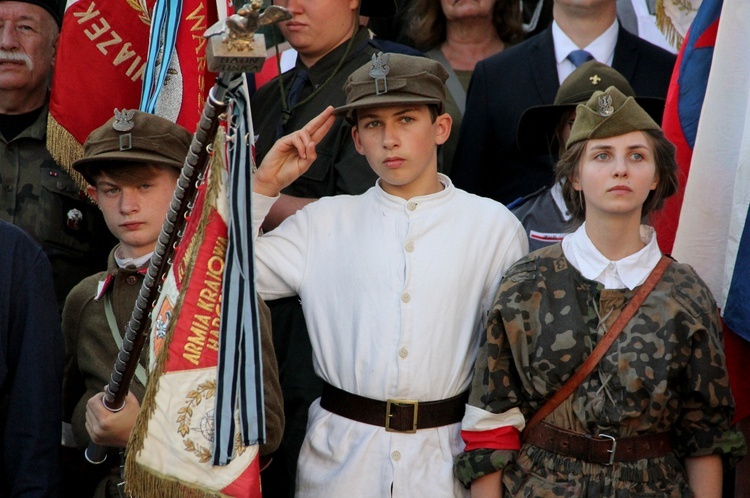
x=602 y=449
x=395 y=415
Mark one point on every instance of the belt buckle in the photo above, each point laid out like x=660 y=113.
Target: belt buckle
x=611 y=451
x=389 y=415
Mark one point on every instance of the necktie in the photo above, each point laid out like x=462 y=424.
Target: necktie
x=300 y=79
x=578 y=57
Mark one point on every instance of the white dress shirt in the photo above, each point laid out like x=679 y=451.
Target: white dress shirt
x=602 y=49
x=395 y=294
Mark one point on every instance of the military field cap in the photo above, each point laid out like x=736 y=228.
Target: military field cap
x=536 y=128
x=609 y=114
x=395 y=79
x=133 y=136
x=51 y=6
x=378 y=8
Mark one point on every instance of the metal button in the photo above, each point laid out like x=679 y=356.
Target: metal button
x=131 y=280
x=411 y=206
x=409 y=246
x=405 y=297
x=403 y=352
x=396 y=455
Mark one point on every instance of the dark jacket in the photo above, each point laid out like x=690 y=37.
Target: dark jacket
x=503 y=86
x=31 y=368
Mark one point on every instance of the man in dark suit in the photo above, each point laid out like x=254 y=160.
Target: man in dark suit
x=504 y=85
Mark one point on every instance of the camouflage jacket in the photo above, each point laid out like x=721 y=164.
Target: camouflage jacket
x=38 y=196
x=665 y=372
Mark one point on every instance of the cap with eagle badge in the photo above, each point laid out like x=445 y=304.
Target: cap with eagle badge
x=536 y=128
x=609 y=114
x=395 y=79
x=132 y=136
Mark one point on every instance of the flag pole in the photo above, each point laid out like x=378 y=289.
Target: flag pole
x=229 y=51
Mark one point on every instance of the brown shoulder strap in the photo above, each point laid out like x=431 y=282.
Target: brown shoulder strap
x=601 y=348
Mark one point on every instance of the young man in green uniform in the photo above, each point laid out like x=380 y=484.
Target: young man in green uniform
x=133 y=186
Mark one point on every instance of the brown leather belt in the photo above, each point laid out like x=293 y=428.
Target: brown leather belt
x=396 y=415
x=602 y=449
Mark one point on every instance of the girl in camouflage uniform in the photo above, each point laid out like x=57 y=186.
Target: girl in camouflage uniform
x=658 y=402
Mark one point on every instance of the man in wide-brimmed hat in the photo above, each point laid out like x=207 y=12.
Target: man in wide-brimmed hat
x=543 y=131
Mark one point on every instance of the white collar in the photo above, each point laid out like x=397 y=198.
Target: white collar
x=630 y=271
x=137 y=262
x=602 y=48
x=399 y=203
x=557 y=196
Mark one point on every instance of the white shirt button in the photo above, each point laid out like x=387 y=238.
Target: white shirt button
x=396 y=455
x=409 y=246
x=411 y=206
x=403 y=352
x=405 y=297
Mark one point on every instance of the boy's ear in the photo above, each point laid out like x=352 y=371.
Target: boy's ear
x=357 y=141
x=443 y=124
x=93 y=193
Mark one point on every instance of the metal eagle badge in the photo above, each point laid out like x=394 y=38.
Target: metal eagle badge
x=124 y=120
x=605 y=105
x=379 y=71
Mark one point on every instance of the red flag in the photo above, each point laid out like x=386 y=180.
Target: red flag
x=170 y=449
x=101 y=57
x=683 y=108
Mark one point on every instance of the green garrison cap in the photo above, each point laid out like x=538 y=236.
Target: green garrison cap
x=536 y=128
x=609 y=114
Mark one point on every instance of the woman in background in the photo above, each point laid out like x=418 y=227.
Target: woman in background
x=458 y=34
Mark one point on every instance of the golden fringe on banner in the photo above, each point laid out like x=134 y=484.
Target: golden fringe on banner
x=673 y=18
x=142 y=482
x=64 y=149
x=664 y=23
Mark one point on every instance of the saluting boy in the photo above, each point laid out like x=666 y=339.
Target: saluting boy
x=395 y=284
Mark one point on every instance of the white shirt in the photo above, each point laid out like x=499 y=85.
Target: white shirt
x=395 y=295
x=603 y=48
x=629 y=272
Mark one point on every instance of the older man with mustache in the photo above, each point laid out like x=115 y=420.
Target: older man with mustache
x=36 y=194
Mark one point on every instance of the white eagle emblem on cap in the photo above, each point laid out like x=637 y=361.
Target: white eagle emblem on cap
x=605 y=105
x=124 y=120
x=379 y=71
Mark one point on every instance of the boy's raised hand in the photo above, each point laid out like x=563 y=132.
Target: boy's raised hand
x=291 y=155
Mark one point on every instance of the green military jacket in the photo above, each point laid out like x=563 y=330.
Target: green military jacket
x=91 y=350
x=38 y=196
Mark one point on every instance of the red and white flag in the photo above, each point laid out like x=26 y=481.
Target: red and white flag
x=99 y=66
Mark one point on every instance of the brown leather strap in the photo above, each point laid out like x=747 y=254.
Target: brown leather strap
x=602 y=449
x=601 y=348
x=395 y=415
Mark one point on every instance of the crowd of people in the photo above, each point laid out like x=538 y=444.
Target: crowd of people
x=460 y=292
